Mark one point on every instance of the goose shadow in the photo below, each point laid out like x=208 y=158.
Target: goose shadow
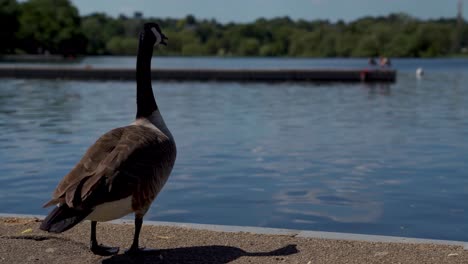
x=201 y=254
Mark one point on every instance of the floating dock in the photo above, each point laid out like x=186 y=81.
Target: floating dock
x=247 y=75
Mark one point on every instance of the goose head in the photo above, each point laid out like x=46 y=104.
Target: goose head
x=152 y=34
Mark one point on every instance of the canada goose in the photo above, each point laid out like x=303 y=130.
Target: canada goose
x=124 y=170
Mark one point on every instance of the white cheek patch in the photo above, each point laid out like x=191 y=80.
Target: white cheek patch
x=157 y=35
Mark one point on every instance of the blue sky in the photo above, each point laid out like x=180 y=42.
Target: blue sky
x=249 y=10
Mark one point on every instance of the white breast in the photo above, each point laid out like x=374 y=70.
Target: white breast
x=111 y=210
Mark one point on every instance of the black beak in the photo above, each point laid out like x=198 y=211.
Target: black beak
x=163 y=40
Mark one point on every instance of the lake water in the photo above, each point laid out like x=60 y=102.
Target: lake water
x=373 y=159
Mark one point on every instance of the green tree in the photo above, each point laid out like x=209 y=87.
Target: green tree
x=249 y=47
x=122 y=46
x=434 y=40
x=397 y=35
x=368 y=46
x=9 y=20
x=345 y=44
x=55 y=26
x=51 y=25
x=305 y=43
x=99 y=29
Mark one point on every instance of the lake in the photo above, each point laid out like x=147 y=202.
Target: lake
x=372 y=159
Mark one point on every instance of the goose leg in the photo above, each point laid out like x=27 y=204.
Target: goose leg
x=100 y=249
x=134 y=248
x=136 y=237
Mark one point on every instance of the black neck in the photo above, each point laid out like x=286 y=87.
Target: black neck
x=146 y=103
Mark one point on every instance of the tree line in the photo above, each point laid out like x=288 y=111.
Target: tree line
x=56 y=27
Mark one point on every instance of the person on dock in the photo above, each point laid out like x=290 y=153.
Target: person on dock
x=384 y=62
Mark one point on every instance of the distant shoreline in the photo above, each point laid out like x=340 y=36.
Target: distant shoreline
x=61 y=58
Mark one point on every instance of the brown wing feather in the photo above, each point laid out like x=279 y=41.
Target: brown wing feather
x=148 y=176
x=86 y=167
x=103 y=161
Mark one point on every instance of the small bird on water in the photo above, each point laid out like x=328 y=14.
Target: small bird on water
x=125 y=169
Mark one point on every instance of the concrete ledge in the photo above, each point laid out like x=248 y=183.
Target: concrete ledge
x=379 y=239
x=247 y=75
x=304 y=233
x=21 y=241
x=287 y=232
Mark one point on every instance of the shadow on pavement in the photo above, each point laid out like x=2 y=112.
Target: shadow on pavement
x=203 y=254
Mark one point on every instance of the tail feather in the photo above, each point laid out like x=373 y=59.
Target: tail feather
x=63 y=218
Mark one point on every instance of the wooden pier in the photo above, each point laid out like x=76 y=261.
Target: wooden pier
x=245 y=75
